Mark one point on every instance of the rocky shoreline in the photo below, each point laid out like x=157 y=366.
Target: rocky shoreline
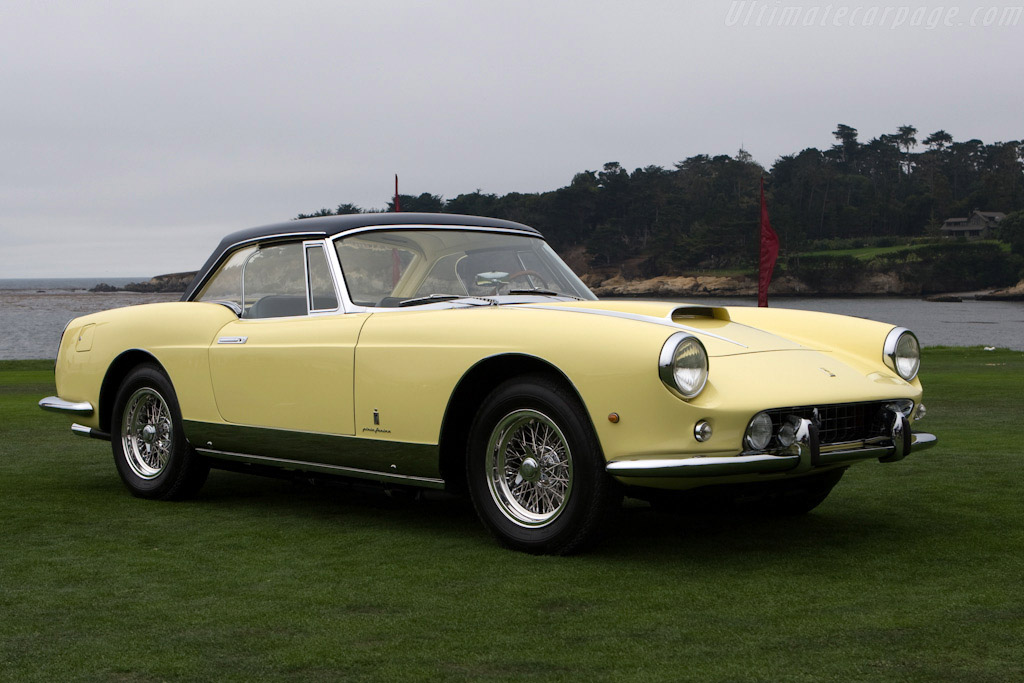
x=169 y=283
x=1015 y=293
x=870 y=284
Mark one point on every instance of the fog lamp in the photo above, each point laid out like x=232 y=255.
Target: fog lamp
x=759 y=432
x=787 y=433
x=904 y=406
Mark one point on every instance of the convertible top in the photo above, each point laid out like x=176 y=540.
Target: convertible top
x=330 y=226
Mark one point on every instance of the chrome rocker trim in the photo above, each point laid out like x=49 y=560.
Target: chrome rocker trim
x=59 y=405
x=804 y=455
x=324 y=468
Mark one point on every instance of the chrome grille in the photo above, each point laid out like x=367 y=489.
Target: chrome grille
x=838 y=423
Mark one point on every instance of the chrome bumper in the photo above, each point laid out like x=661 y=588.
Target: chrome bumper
x=59 y=405
x=804 y=455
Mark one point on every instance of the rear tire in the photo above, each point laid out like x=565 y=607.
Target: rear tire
x=535 y=470
x=151 y=453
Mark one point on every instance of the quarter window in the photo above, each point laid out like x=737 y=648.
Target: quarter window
x=319 y=282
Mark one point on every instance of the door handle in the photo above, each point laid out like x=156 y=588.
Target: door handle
x=232 y=340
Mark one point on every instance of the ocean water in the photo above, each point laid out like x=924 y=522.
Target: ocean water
x=64 y=283
x=33 y=314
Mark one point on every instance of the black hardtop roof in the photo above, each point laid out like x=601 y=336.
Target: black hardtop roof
x=329 y=226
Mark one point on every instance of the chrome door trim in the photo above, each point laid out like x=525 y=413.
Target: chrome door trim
x=341 y=470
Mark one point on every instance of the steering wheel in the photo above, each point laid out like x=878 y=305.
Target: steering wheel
x=523 y=274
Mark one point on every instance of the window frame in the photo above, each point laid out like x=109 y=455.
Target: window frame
x=307 y=246
x=332 y=251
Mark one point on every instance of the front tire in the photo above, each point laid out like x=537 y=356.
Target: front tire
x=535 y=469
x=151 y=453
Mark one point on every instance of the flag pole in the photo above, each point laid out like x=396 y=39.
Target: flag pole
x=398 y=207
x=769 y=253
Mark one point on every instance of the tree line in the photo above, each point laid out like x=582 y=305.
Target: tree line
x=703 y=213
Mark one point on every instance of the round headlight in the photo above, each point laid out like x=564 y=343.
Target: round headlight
x=759 y=432
x=683 y=365
x=902 y=353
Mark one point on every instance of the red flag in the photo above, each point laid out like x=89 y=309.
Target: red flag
x=396 y=263
x=769 y=252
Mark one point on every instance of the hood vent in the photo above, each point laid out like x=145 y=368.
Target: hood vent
x=684 y=313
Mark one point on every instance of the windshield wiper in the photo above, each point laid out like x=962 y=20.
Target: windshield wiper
x=434 y=298
x=428 y=299
x=542 y=292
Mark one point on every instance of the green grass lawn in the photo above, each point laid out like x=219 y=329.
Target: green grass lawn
x=909 y=572
x=868 y=253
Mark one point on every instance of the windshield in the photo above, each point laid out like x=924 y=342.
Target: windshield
x=388 y=267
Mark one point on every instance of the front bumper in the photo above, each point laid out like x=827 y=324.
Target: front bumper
x=805 y=454
x=59 y=405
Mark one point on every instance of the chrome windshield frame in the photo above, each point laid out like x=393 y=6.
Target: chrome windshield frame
x=351 y=307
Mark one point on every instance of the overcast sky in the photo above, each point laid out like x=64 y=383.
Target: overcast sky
x=134 y=135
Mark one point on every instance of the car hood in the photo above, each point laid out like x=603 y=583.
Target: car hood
x=712 y=325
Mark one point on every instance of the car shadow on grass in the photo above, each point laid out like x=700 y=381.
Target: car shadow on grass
x=637 y=532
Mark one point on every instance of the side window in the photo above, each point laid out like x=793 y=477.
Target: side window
x=320 y=284
x=226 y=283
x=274 y=282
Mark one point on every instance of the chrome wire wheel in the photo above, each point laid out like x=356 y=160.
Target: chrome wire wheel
x=529 y=468
x=146 y=433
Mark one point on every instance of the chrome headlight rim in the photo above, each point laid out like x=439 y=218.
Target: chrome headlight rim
x=667 y=364
x=890 y=352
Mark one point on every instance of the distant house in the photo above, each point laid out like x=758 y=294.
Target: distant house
x=976 y=226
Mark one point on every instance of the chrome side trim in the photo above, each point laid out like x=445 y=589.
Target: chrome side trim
x=286 y=463
x=89 y=432
x=637 y=317
x=59 y=405
x=232 y=340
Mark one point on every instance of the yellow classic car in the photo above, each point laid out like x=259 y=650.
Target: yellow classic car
x=460 y=353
